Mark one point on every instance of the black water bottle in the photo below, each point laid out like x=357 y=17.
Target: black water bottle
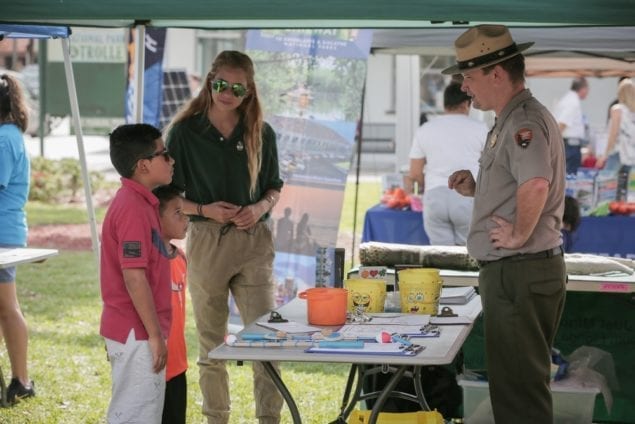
x=622 y=183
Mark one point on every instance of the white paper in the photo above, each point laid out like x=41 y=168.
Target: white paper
x=457 y=295
x=364 y=331
x=398 y=319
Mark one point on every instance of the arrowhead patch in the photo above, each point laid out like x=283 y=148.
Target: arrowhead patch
x=523 y=137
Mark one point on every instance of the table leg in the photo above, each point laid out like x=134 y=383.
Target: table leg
x=348 y=405
x=275 y=377
x=382 y=395
x=385 y=394
x=419 y=389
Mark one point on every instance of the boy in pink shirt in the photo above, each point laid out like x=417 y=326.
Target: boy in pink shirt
x=135 y=271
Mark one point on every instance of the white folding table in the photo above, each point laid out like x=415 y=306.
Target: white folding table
x=438 y=351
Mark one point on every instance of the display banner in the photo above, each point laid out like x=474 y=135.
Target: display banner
x=152 y=77
x=310 y=84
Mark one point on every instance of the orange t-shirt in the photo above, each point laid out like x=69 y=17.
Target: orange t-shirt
x=177 y=348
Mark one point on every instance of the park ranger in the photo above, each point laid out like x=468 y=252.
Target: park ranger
x=516 y=220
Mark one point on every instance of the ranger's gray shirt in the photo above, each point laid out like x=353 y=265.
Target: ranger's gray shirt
x=525 y=143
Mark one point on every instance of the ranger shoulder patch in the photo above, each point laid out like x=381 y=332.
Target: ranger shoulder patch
x=523 y=137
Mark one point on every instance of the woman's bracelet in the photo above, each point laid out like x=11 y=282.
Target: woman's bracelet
x=271 y=200
x=199 y=210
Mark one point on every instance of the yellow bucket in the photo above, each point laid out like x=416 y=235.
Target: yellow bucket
x=366 y=293
x=420 y=417
x=419 y=290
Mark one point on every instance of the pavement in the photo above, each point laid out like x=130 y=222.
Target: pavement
x=61 y=144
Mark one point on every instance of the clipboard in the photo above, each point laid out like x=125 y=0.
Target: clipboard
x=380 y=349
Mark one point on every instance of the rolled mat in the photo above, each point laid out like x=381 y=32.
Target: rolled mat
x=391 y=254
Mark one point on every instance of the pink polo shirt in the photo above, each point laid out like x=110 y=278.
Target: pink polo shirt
x=131 y=238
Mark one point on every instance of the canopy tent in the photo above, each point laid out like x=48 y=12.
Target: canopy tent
x=558 y=51
x=320 y=14
x=613 y=41
x=63 y=33
x=560 y=66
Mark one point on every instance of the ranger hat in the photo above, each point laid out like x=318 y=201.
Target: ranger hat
x=484 y=45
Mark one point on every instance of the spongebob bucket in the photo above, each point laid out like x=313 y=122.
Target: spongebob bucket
x=420 y=289
x=365 y=293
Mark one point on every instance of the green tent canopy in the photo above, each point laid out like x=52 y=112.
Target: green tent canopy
x=320 y=14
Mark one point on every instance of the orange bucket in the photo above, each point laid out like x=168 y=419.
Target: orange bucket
x=325 y=306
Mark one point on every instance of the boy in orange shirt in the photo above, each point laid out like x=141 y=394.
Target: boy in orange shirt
x=173 y=227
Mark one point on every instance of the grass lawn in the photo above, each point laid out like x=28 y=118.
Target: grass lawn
x=39 y=213
x=60 y=299
x=369 y=193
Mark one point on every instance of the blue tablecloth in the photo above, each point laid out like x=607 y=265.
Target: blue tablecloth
x=610 y=235
x=394 y=226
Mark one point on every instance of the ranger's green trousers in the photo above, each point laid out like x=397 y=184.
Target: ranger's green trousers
x=522 y=305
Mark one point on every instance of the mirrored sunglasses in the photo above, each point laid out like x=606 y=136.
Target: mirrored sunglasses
x=220 y=85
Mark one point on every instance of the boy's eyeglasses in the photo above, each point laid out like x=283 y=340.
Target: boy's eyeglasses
x=164 y=153
x=220 y=85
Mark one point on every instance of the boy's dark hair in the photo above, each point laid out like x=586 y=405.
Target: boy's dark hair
x=453 y=96
x=571 y=214
x=165 y=193
x=129 y=143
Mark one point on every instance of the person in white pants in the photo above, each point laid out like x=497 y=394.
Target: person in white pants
x=440 y=146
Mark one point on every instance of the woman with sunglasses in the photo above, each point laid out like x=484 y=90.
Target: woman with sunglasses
x=227 y=164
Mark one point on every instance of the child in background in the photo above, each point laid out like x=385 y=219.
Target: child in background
x=570 y=222
x=14 y=193
x=173 y=227
x=135 y=269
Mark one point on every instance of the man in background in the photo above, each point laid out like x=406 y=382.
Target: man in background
x=572 y=123
x=442 y=145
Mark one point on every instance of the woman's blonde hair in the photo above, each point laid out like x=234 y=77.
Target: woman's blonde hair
x=13 y=107
x=626 y=93
x=249 y=109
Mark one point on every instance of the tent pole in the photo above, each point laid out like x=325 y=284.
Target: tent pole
x=72 y=95
x=139 y=60
x=357 y=171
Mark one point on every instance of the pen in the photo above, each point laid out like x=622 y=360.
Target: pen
x=398 y=339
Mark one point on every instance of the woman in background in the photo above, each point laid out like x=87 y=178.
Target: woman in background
x=14 y=191
x=620 y=146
